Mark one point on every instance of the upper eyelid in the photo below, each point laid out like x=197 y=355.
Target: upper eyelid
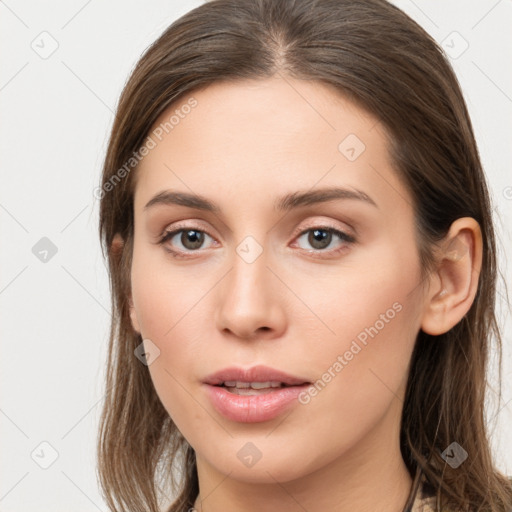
x=326 y=226
x=178 y=226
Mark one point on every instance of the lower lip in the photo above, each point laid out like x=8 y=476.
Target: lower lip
x=253 y=408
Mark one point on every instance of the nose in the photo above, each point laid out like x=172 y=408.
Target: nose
x=250 y=304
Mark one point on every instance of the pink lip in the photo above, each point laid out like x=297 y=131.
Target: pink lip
x=255 y=408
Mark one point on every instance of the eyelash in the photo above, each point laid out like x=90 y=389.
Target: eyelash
x=348 y=239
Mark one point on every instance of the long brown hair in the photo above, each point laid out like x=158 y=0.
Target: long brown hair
x=375 y=55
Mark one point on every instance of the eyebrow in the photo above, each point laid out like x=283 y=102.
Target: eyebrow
x=285 y=203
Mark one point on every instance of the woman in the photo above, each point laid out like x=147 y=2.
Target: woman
x=302 y=262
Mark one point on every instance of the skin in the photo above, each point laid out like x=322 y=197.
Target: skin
x=297 y=307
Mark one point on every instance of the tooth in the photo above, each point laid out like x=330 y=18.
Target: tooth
x=254 y=385
x=261 y=385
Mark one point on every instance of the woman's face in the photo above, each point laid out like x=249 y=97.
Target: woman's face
x=257 y=279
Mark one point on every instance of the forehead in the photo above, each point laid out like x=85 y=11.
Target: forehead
x=283 y=112
x=262 y=136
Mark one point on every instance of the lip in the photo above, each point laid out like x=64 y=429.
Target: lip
x=253 y=408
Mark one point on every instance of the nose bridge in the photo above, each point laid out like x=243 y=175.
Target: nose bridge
x=248 y=299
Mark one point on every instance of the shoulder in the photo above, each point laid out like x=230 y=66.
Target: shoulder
x=425 y=504
x=425 y=499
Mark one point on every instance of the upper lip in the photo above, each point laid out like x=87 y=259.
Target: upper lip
x=258 y=373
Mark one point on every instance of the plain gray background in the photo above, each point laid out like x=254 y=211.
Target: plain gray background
x=63 y=68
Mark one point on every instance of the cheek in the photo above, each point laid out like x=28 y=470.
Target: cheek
x=164 y=295
x=167 y=304
x=361 y=377
x=372 y=296
x=169 y=301
x=362 y=367
x=369 y=321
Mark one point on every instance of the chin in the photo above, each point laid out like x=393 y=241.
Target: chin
x=282 y=465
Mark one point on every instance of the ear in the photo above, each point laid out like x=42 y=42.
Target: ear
x=454 y=283
x=116 y=249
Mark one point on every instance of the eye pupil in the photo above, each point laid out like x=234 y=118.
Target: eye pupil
x=193 y=236
x=319 y=237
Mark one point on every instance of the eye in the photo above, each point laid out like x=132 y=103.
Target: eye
x=191 y=240
x=181 y=242
x=321 y=237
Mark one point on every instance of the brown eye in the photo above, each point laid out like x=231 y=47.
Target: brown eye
x=321 y=238
x=184 y=239
x=192 y=239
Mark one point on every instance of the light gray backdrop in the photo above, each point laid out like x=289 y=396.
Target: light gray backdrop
x=63 y=66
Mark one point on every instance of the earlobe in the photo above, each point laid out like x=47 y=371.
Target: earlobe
x=454 y=283
x=117 y=245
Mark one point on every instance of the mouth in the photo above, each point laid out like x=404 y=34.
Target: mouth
x=253 y=395
x=255 y=378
